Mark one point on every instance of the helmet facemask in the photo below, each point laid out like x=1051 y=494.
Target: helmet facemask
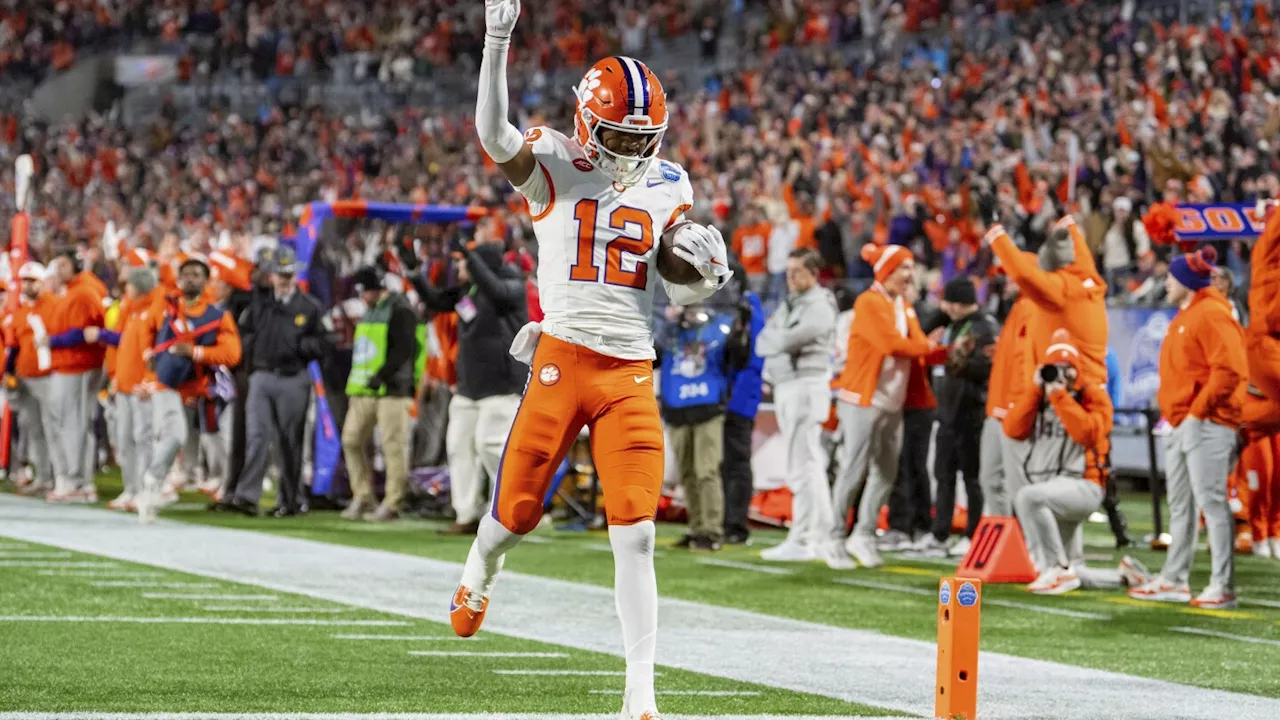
x=624 y=168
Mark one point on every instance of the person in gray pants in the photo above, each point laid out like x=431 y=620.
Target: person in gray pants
x=1202 y=370
x=796 y=345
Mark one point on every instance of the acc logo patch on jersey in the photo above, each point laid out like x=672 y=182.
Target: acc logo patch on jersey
x=549 y=375
x=583 y=164
x=669 y=171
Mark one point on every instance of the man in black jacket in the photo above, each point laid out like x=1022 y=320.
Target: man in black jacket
x=490 y=300
x=281 y=330
x=962 y=401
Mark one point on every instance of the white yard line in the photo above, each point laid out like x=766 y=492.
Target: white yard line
x=122 y=573
x=910 y=590
x=765 y=569
x=152 y=584
x=407 y=638
x=377 y=716
x=1260 y=603
x=443 y=653
x=704 y=693
x=198 y=620
x=58 y=563
x=206 y=596
x=537 y=540
x=862 y=666
x=33 y=554
x=1225 y=636
x=610 y=673
x=270 y=609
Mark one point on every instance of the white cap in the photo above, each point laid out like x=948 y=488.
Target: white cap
x=31 y=271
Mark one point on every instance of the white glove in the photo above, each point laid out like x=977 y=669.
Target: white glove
x=500 y=17
x=703 y=248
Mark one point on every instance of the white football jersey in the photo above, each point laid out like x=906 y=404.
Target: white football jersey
x=598 y=246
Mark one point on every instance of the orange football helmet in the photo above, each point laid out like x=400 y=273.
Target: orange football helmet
x=623 y=95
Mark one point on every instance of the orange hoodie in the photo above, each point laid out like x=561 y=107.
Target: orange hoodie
x=873 y=339
x=224 y=351
x=1262 y=338
x=78 y=307
x=1014 y=360
x=1073 y=298
x=21 y=335
x=130 y=367
x=1202 y=363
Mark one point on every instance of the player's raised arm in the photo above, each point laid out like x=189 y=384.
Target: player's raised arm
x=502 y=140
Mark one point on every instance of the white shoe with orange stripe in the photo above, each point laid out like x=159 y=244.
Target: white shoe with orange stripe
x=1055 y=581
x=123 y=501
x=1161 y=590
x=1216 y=597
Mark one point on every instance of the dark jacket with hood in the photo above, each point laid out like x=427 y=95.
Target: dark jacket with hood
x=491 y=310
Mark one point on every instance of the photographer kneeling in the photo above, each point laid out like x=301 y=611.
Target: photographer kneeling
x=1068 y=429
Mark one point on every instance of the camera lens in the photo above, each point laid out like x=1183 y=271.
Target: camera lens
x=1049 y=373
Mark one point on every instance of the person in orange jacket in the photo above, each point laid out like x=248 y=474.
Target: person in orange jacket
x=1261 y=410
x=28 y=366
x=1067 y=427
x=1202 y=378
x=1000 y=458
x=143 y=299
x=885 y=371
x=1063 y=284
x=185 y=342
x=77 y=378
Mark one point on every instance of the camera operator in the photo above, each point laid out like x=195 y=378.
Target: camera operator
x=1067 y=425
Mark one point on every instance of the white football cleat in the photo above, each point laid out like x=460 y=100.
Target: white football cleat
x=863 y=549
x=1263 y=549
x=1275 y=547
x=833 y=554
x=638 y=710
x=788 y=551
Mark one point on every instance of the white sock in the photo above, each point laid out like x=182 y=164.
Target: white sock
x=636 y=593
x=486 y=556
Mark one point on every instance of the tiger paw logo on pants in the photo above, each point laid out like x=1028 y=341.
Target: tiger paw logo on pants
x=549 y=375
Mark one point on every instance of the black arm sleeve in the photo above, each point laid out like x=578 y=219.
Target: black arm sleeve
x=436 y=300
x=507 y=294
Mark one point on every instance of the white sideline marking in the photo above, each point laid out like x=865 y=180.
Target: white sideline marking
x=14 y=545
x=58 y=563
x=618 y=673
x=380 y=716
x=413 y=638
x=716 y=562
x=264 y=609
x=464 y=653
x=907 y=589
x=891 y=673
x=705 y=693
x=536 y=540
x=33 y=554
x=1225 y=636
x=102 y=573
x=1261 y=603
x=151 y=584
x=598 y=547
x=207 y=596
x=198 y=620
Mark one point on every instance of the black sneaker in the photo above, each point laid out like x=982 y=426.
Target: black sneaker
x=737 y=537
x=704 y=544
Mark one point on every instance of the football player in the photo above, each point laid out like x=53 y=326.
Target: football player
x=600 y=201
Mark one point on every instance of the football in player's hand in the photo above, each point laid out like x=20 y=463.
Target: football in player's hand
x=672 y=267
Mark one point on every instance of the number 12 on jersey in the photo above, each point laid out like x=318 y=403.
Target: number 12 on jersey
x=623 y=219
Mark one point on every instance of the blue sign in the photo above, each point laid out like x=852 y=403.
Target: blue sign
x=967 y=595
x=944 y=594
x=1136 y=337
x=1218 y=222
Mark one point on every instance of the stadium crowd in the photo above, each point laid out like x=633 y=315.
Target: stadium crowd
x=830 y=172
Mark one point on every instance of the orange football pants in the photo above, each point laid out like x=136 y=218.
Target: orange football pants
x=1260 y=486
x=1262 y=414
x=571 y=387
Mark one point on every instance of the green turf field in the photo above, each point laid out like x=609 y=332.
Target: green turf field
x=249 y=667
x=121 y=663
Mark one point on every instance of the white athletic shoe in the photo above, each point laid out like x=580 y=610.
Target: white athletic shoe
x=960 y=549
x=894 y=541
x=146 y=504
x=1263 y=549
x=1216 y=597
x=788 y=551
x=929 y=546
x=1055 y=581
x=167 y=498
x=1134 y=573
x=1161 y=591
x=833 y=554
x=122 y=501
x=1275 y=548
x=863 y=549
x=634 y=709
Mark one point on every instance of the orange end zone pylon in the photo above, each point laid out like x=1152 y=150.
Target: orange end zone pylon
x=959 y=628
x=998 y=553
